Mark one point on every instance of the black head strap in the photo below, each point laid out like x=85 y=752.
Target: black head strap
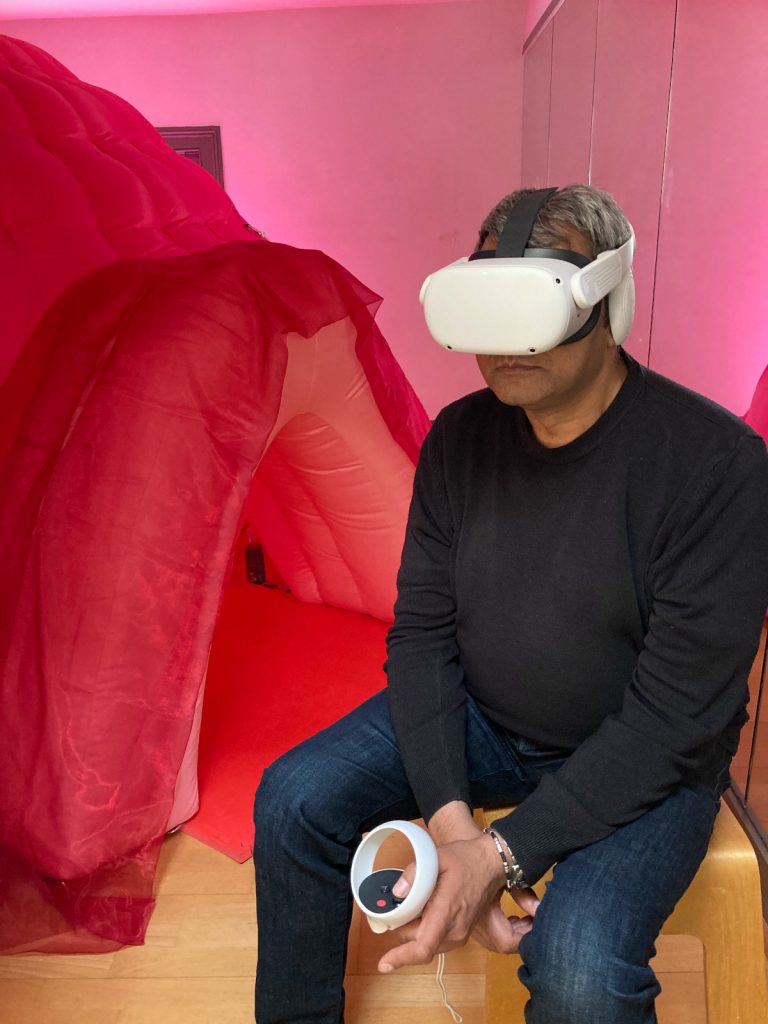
x=519 y=225
x=589 y=325
x=577 y=258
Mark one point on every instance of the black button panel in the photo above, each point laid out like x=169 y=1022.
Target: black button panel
x=375 y=891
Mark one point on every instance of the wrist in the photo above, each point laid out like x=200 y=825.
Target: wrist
x=452 y=822
x=513 y=873
x=493 y=860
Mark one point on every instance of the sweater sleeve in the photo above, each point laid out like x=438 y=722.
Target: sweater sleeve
x=425 y=682
x=708 y=589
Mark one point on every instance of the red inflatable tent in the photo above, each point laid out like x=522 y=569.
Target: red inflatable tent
x=174 y=378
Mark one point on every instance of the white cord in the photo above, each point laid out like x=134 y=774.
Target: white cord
x=441 y=985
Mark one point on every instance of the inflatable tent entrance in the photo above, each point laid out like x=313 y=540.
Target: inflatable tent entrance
x=195 y=377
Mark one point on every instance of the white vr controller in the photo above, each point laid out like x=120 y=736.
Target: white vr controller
x=372 y=889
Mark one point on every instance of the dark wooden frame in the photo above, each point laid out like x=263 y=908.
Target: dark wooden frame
x=200 y=143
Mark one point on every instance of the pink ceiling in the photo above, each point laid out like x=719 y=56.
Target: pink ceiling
x=15 y=9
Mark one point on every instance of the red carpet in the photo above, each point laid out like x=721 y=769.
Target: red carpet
x=279 y=671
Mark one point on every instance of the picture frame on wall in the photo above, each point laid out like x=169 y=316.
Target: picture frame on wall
x=199 y=143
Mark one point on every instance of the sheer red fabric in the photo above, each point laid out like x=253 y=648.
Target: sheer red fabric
x=158 y=383
x=132 y=421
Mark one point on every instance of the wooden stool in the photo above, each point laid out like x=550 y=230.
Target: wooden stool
x=722 y=908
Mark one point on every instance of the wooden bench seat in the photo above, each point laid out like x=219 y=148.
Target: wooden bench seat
x=722 y=908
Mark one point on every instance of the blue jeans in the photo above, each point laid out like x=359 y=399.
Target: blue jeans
x=586 y=959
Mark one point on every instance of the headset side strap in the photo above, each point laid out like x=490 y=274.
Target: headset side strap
x=602 y=275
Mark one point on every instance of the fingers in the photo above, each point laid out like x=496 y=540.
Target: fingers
x=419 y=945
x=461 y=895
x=403 y=885
x=499 y=933
x=407 y=932
x=429 y=939
x=527 y=900
x=413 y=952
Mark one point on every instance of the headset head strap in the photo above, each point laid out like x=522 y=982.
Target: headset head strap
x=519 y=224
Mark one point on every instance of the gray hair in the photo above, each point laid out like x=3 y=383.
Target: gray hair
x=590 y=210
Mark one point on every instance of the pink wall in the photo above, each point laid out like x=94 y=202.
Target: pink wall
x=572 y=92
x=537 y=90
x=667 y=99
x=84 y=8
x=594 y=110
x=629 y=126
x=537 y=11
x=711 y=311
x=359 y=131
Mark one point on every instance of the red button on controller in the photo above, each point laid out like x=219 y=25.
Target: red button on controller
x=381 y=903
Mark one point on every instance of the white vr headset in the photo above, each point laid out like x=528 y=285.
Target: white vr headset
x=519 y=301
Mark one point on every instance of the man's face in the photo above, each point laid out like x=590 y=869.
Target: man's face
x=550 y=380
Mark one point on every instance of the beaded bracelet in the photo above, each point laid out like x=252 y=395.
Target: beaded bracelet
x=513 y=873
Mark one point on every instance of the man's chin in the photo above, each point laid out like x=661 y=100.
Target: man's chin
x=517 y=392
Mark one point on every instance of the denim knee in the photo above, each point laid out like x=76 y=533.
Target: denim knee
x=580 y=974
x=287 y=786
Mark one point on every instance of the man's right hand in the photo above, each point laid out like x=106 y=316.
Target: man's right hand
x=469 y=882
x=493 y=929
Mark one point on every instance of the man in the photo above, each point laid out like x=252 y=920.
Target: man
x=583 y=581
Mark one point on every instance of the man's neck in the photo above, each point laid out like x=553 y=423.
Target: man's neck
x=559 y=425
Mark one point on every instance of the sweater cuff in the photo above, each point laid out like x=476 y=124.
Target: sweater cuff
x=546 y=826
x=431 y=796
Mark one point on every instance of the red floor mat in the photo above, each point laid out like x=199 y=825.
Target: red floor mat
x=279 y=671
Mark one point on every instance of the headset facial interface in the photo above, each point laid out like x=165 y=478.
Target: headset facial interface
x=519 y=301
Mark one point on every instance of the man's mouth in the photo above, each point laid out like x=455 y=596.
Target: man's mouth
x=513 y=366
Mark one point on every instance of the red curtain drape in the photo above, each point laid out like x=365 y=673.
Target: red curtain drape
x=144 y=402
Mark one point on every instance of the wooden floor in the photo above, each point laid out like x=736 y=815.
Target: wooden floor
x=198 y=964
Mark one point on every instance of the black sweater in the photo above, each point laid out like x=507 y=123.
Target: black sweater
x=605 y=596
